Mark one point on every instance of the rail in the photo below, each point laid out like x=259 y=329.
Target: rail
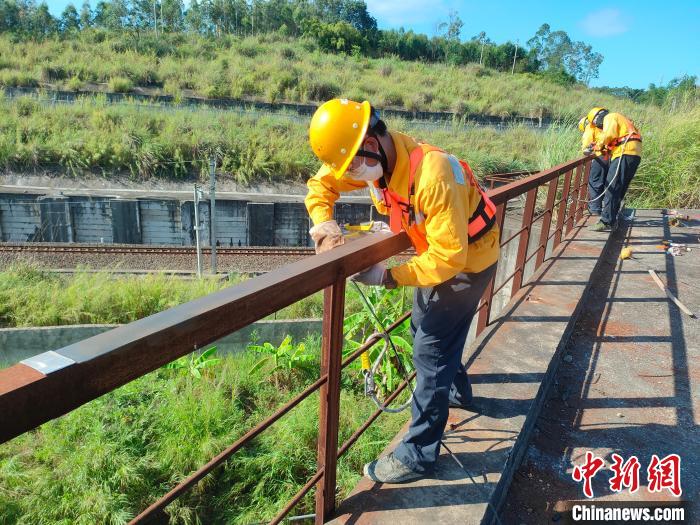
x=58 y=382
x=139 y=249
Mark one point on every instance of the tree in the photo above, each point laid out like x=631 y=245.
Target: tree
x=42 y=22
x=172 y=15
x=555 y=51
x=69 y=21
x=450 y=32
x=85 y=15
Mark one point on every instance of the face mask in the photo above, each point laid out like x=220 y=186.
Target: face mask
x=366 y=173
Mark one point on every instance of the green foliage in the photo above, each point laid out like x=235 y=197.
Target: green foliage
x=195 y=363
x=32 y=297
x=281 y=362
x=120 y=84
x=111 y=458
x=388 y=305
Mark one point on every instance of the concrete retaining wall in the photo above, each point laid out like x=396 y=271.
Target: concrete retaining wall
x=20 y=343
x=165 y=221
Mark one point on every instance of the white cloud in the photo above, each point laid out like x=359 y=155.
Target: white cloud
x=605 y=22
x=396 y=13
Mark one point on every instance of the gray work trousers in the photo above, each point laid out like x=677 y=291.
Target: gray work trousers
x=596 y=184
x=440 y=323
x=617 y=188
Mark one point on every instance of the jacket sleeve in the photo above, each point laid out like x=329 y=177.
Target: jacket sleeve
x=446 y=212
x=324 y=190
x=611 y=131
x=586 y=138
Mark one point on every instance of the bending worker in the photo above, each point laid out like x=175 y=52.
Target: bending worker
x=451 y=223
x=599 y=166
x=617 y=134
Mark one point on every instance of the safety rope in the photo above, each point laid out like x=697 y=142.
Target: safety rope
x=617 y=171
x=404 y=372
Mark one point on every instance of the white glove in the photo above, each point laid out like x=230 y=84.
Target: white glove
x=326 y=236
x=375 y=275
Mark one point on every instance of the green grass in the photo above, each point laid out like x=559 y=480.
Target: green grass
x=30 y=296
x=108 y=460
x=143 y=141
x=276 y=68
x=147 y=142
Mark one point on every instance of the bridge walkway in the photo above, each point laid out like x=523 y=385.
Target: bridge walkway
x=591 y=355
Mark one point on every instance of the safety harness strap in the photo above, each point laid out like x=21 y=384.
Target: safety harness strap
x=621 y=140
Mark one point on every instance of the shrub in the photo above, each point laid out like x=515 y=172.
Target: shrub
x=120 y=85
x=18 y=79
x=322 y=91
x=74 y=84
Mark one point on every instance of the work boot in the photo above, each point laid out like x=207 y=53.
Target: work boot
x=389 y=470
x=600 y=226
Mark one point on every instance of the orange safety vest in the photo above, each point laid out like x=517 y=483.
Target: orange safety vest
x=621 y=140
x=403 y=216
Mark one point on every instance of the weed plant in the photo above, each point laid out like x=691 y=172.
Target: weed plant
x=109 y=459
x=30 y=296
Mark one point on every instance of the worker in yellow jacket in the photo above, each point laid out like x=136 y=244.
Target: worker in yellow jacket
x=617 y=134
x=599 y=165
x=435 y=198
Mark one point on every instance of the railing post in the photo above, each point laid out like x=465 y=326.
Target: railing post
x=583 y=191
x=562 y=209
x=546 y=222
x=485 y=313
x=331 y=357
x=574 y=203
x=524 y=242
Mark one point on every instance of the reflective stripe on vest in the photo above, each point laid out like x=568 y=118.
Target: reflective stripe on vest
x=621 y=140
x=403 y=216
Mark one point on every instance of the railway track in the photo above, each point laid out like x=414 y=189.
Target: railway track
x=152 y=250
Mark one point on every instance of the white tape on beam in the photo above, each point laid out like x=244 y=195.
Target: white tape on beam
x=48 y=362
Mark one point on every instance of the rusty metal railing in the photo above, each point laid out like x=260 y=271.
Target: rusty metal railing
x=76 y=374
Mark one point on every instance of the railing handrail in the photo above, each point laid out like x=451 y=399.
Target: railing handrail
x=111 y=359
x=506 y=192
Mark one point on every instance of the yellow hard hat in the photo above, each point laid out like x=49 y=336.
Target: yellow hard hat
x=582 y=124
x=337 y=130
x=592 y=113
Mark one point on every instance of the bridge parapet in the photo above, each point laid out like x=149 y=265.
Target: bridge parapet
x=49 y=386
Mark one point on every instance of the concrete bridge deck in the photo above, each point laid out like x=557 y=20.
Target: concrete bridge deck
x=590 y=356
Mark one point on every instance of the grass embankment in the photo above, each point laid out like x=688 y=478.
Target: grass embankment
x=32 y=297
x=275 y=68
x=93 y=136
x=108 y=460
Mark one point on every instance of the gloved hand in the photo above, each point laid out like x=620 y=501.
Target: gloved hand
x=326 y=236
x=375 y=275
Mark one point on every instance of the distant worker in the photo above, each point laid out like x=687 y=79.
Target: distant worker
x=618 y=135
x=436 y=199
x=599 y=165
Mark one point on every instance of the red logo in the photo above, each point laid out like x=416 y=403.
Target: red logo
x=587 y=471
x=665 y=474
x=661 y=474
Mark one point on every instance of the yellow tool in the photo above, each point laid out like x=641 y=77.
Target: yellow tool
x=626 y=253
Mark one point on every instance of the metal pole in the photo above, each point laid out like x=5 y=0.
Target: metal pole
x=514 y=57
x=212 y=214
x=196 y=230
x=481 y=58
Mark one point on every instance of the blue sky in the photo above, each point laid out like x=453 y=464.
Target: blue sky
x=652 y=41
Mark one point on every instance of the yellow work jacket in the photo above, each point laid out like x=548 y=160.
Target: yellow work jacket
x=615 y=128
x=446 y=202
x=589 y=138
